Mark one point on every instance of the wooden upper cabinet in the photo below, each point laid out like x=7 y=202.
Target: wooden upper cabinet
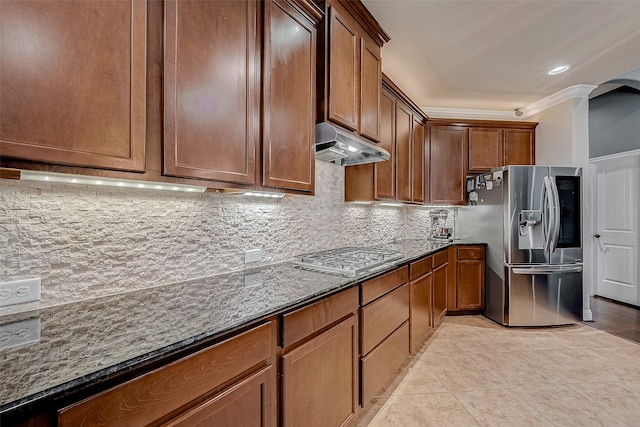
x=384 y=172
x=73 y=83
x=448 y=163
x=418 y=162
x=519 y=147
x=370 y=89
x=289 y=96
x=485 y=149
x=211 y=90
x=404 y=125
x=343 y=70
x=349 y=59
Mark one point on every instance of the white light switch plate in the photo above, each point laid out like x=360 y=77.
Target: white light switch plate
x=19 y=291
x=19 y=333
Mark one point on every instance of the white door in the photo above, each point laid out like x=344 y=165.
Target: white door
x=616 y=236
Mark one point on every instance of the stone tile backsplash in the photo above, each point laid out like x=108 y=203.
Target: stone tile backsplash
x=86 y=241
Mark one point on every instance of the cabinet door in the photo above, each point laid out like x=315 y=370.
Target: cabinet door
x=289 y=113
x=370 y=89
x=343 y=70
x=421 y=291
x=519 y=147
x=250 y=403
x=448 y=161
x=72 y=83
x=485 y=149
x=439 y=293
x=384 y=172
x=211 y=114
x=319 y=379
x=417 y=163
x=404 y=125
x=470 y=285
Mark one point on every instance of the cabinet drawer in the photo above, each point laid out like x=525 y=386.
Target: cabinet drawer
x=471 y=252
x=380 y=365
x=420 y=267
x=374 y=288
x=382 y=317
x=246 y=403
x=440 y=258
x=307 y=320
x=157 y=393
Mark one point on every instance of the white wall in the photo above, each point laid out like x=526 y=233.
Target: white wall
x=562 y=139
x=89 y=241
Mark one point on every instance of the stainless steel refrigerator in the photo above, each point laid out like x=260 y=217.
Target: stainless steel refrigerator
x=531 y=218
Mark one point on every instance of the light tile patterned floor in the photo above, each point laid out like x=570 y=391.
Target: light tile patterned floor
x=473 y=372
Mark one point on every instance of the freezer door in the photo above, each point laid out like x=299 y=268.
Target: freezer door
x=543 y=295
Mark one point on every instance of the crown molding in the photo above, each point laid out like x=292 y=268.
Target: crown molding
x=461 y=113
x=577 y=91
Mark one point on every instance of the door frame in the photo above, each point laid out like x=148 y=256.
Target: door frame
x=593 y=169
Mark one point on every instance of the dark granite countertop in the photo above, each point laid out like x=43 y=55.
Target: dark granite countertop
x=86 y=341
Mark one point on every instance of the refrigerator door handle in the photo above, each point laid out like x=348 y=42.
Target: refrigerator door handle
x=556 y=216
x=547 y=209
x=547 y=269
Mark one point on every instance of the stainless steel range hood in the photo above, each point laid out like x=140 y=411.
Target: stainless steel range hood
x=344 y=148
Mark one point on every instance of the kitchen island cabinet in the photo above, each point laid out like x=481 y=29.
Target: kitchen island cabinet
x=73 y=83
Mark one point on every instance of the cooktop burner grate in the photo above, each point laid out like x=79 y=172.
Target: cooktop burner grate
x=349 y=261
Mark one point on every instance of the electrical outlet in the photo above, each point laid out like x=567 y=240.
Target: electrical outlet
x=19 y=333
x=252 y=255
x=360 y=240
x=253 y=279
x=19 y=291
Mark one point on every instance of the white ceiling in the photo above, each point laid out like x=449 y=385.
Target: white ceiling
x=494 y=55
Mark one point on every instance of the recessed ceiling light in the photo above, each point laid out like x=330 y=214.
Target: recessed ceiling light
x=558 y=70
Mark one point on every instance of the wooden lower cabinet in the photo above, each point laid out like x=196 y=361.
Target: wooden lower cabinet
x=320 y=378
x=466 y=285
x=421 y=302
x=381 y=363
x=176 y=391
x=247 y=404
x=440 y=279
x=382 y=317
x=384 y=332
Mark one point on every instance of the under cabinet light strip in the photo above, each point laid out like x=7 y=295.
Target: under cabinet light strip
x=390 y=204
x=66 y=178
x=263 y=194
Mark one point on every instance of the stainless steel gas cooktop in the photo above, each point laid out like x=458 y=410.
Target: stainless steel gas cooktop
x=349 y=261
